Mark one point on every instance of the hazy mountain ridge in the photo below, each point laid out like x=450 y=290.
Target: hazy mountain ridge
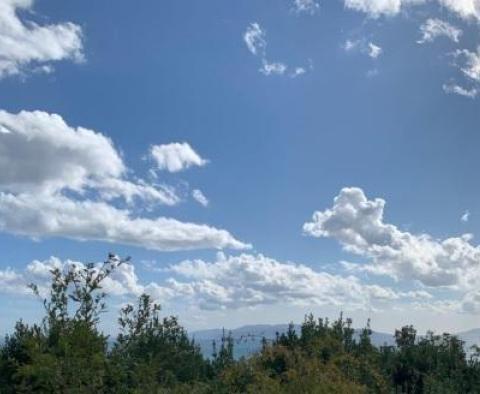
x=248 y=339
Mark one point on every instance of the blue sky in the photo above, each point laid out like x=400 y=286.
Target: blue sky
x=371 y=108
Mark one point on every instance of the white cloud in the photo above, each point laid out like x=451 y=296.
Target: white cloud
x=467 y=9
x=306 y=6
x=28 y=45
x=255 y=38
x=176 y=157
x=228 y=283
x=56 y=180
x=471 y=63
x=461 y=91
x=122 y=282
x=364 y=47
x=243 y=281
x=41 y=216
x=351 y=45
x=465 y=217
x=273 y=68
x=434 y=28
x=251 y=280
x=112 y=188
x=374 y=51
x=357 y=223
x=40 y=153
x=377 y=8
x=297 y=72
x=468 y=63
x=199 y=197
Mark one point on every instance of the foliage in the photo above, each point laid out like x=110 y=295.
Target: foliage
x=151 y=352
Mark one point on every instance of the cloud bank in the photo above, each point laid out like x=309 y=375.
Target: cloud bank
x=229 y=282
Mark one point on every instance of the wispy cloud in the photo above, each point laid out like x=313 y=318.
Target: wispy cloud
x=434 y=28
x=199 y=197
x=256 y=42
x=305 y=6
x=461 y=91
x=255 y=39
x=363 y=46
x=468 y=63
x=273 y=68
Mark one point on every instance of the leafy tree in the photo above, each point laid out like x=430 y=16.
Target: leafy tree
x=151 y=352
x=66 y=352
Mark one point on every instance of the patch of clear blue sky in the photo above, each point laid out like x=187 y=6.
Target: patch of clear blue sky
x=279 y=148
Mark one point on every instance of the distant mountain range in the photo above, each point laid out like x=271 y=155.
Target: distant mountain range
x=248 y=339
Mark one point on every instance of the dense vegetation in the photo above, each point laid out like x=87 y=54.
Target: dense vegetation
x=67 y=353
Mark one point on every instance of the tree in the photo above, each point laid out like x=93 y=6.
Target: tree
x=151 y=352
x=66 y=352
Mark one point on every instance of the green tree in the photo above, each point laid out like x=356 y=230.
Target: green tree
x=66 y=352
x=153 y=353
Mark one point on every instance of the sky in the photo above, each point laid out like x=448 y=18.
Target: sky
x=257 y=160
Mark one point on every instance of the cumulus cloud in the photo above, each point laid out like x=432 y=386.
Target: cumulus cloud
x=357 y=223
x=434 y=28
x=176 y=157
x=229 y=282
x=59 y=181
x=199 y=197
x=306 y=6
x=250 y=280
x=27 y=45
x=40 y=153
x=243 y=281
